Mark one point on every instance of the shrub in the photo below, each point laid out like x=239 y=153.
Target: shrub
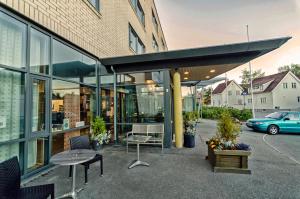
x=228 y=130
x=215 y=113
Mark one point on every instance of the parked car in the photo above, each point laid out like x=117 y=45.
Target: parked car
x=277 y=122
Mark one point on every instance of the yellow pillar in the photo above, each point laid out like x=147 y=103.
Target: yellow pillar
x=178 y=121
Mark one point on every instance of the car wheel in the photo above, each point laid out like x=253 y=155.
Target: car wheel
x=273 y=130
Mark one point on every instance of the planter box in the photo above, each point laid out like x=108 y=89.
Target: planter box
x=229 y=161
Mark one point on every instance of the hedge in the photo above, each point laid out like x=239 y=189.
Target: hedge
x=215 y=112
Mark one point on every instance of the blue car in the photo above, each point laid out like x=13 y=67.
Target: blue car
x=277 y=122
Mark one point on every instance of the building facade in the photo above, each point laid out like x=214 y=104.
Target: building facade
x=50 y=72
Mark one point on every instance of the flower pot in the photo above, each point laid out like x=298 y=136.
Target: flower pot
x=96 y=145
x=189 y=141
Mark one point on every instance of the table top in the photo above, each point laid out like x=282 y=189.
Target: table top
x=73 y=157
x=139 y=138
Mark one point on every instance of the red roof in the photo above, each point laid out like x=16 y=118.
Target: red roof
x=276 y=78
x=221 y=87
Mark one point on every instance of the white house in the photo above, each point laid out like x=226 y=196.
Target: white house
x=278 y=91
x=232 y=91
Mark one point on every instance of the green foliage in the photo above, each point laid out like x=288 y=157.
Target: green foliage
x=246 y=75
x=228 y=130
x=294 y=68
x=215 y=113
x=99 y=131
x=189 y=120
x=207 y=96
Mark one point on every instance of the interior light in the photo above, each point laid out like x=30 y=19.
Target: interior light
x=207 y=77
x=186 y=72
x=212 y=70
x=186 y=78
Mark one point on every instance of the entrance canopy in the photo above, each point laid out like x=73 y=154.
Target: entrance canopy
x=198 y=63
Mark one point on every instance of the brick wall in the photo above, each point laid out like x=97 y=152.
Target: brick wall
x=103 y=33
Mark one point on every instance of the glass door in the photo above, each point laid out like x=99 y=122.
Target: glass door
x=38 y=143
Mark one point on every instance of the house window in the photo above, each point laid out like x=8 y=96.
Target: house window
x=96 y=4
x=138 y=10
x=263 y=100
x=229 y=93
x=294 y=85
x=154 y=44
x=135 y=43
x=238 y=93
x=249 y=101
x=154 y=21
x=298 y=98
x=285 y=85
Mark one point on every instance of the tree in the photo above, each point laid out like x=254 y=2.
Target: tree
x=294 y=68
x=207 y=96
x=246 y=75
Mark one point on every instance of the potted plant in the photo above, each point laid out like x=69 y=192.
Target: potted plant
x=189 y=129
x=99 y=134
x=224 y=153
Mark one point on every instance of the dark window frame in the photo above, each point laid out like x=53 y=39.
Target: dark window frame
x=137 y=38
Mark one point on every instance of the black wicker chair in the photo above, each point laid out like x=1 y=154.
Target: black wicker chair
x=10 y=180
x=82 y=142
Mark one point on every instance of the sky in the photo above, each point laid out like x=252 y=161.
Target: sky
x=199 y=23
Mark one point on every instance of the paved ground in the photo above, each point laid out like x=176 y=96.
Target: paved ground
x=185 y=174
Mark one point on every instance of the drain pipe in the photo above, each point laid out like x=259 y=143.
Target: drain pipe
x=115 y=106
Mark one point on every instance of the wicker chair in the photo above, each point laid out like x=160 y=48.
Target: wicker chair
x=82 y=142
x=10 y=180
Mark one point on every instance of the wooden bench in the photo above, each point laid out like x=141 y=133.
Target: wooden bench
x=156 y=131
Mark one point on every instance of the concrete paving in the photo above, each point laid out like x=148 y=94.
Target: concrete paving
x=184 y=173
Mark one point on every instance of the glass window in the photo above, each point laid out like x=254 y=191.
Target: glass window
x=72 y=105
x=11 y=105
x=12 y=42
x=139 y=10
x=65 y=105
x=293 y=116
x=39 y=52
x=73 y=65
x=294 y=85
x=154 y=44
x=38 y=105
x=135 y=43
x=154 y=21
x=298 y=98
x=229 y=92
x=37 y=153
x=285 y=85
x=95 y=3
x=11 y=150
x=141 y=78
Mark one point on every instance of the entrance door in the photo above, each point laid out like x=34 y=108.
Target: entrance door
x=39 y=128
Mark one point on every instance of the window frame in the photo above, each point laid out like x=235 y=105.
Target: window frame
x=131 y=31
x=137 y=7
x=97 y=6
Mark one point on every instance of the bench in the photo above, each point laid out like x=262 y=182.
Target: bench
x=156 y=131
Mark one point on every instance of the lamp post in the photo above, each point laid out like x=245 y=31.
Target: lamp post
x=250 y=71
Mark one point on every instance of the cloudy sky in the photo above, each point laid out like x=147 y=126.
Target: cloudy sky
x=198 y=23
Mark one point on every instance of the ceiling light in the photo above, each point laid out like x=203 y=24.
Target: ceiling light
x=207 y=77
x=185 y=78
x=212 y=70
x=186 y=72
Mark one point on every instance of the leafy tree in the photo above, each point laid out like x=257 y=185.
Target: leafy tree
x=207 y=96
x=294 y=68
x=246 y=75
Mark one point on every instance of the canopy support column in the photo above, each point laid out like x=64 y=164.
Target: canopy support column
x=178 y=119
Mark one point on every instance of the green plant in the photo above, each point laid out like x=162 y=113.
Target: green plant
x=99 y=131
x=189 y=121
x=215 y=112
x=228 y=130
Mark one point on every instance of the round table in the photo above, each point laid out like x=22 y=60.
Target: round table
x=73 y=158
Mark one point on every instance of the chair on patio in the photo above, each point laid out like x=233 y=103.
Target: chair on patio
x=83 y=142
x=10 y=180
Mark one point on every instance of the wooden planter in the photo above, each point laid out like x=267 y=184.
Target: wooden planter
x=229 y=161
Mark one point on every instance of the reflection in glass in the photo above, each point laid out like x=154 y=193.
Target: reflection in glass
x=12 y=42
x=73 y=65
x=39 y=52
x=10 y=150
x=11 y=105
x=38 y=105
x=37 y=153
x=87 y=104
x=65 y=105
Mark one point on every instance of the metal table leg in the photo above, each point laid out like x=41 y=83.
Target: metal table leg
x=138 y=162
x=74 y=191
